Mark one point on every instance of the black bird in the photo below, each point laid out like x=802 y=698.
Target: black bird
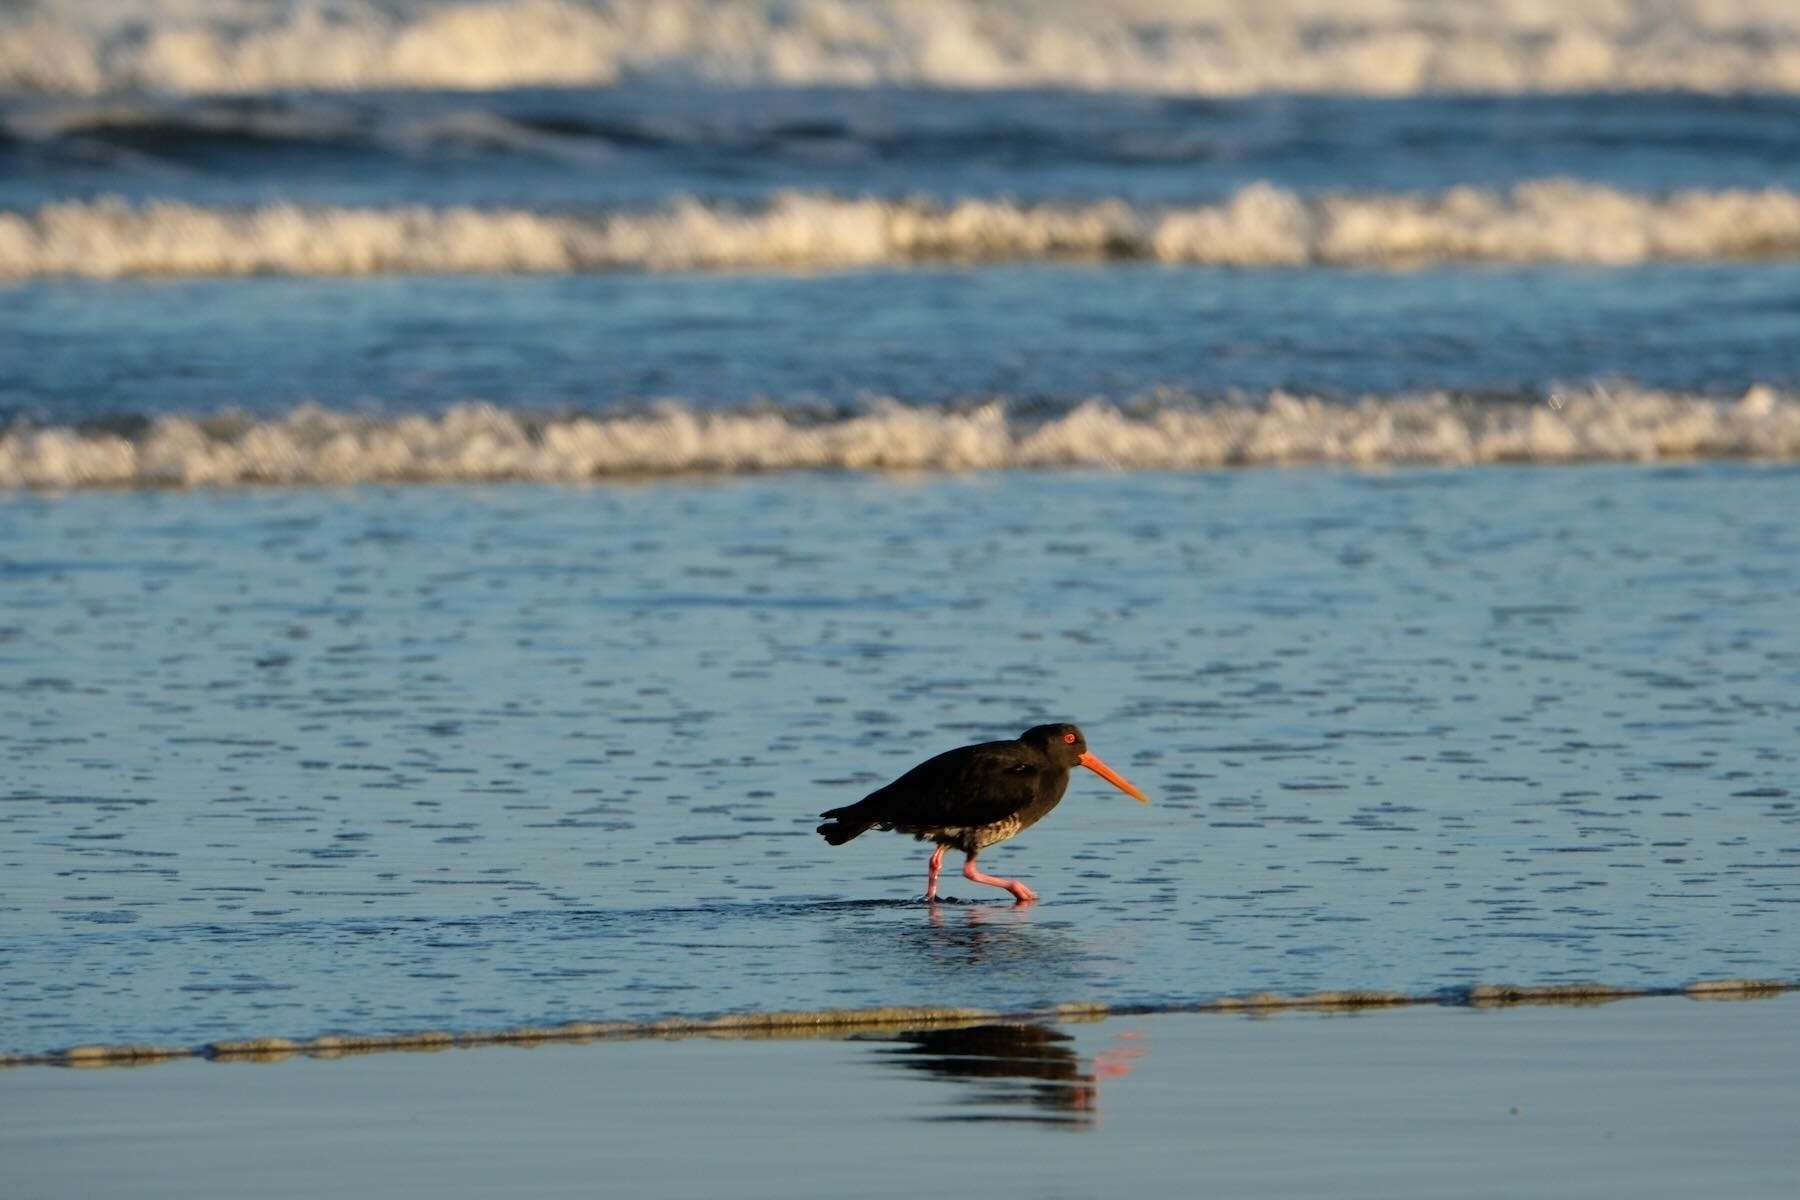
x=975 y=796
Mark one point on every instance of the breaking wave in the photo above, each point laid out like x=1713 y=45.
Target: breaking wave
x=1199 y=47
x=1560 y=221
x=313 y=446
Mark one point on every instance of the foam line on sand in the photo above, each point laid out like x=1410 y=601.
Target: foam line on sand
x=838 y=1022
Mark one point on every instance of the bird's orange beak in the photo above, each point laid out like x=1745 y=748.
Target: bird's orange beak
x=1093 y=763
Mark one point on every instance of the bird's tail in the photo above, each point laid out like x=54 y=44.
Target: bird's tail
x=847 y=825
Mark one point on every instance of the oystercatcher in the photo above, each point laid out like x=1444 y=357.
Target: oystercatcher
x=976 y=796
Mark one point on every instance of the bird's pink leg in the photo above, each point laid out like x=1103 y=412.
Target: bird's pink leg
x=937 y=862
x=1021 y=893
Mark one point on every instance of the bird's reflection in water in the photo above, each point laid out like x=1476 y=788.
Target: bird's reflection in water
x=1015 y=1071
x=988 y=932
x=983 y=951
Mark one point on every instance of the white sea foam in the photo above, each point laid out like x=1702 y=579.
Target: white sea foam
x=478 y=442
x=1262 y=225
x=1201 y=47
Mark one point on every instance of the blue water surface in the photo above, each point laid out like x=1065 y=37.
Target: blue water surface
x=372 y=760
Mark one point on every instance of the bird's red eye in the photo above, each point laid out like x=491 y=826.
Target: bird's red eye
x=1069 y=738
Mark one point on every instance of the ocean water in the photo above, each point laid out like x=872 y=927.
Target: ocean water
x=477 y=478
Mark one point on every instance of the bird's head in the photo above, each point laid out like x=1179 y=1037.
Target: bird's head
x=1066 y=747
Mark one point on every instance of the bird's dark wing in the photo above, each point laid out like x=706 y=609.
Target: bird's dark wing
x=974 y=785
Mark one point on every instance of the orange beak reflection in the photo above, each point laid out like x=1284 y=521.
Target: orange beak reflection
x=1093 y=763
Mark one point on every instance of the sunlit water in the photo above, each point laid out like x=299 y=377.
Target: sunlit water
x=293 y=762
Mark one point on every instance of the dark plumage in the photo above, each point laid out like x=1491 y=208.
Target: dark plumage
x=975 y=796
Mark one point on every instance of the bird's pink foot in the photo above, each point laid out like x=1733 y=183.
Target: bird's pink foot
x=1021 y=893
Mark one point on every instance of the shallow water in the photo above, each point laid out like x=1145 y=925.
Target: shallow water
x=1650 y=1098
x=292 y=762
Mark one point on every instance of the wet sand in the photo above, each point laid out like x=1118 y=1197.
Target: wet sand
x=1639 y=1098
